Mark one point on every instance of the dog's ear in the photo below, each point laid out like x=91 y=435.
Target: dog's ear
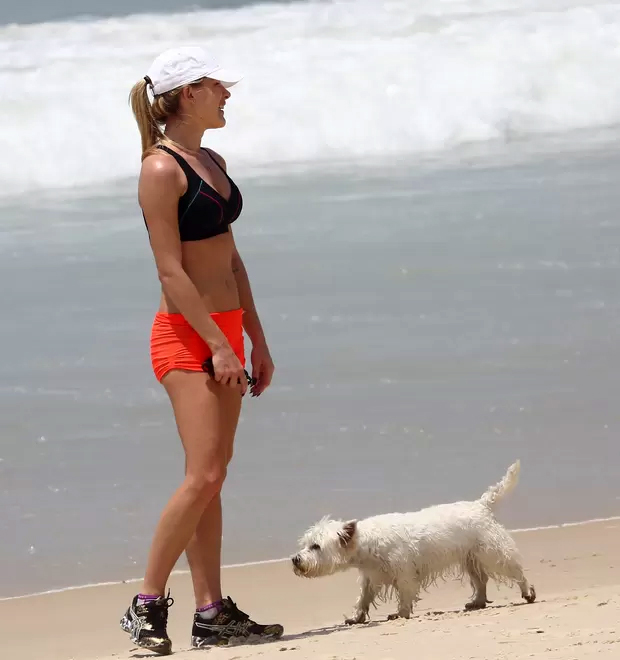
x=347 y=532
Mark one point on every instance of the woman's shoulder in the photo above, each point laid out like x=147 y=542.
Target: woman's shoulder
x=160 y=168
x=161 y=176
x=159 y=164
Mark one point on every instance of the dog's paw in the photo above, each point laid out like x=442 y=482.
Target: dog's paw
x=358 y=619
x=475 y=605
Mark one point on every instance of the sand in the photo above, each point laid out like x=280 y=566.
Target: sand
x=576 y=571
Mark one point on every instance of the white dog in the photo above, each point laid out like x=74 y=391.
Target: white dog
x=407 y=552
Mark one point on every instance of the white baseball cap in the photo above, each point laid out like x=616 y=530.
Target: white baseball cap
x=180 y=66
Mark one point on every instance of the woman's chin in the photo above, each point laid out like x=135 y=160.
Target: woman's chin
x=218 y=122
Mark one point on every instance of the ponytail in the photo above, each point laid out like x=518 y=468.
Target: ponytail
x=150 y=132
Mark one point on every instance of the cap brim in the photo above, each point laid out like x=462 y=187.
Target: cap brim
x=227 y=77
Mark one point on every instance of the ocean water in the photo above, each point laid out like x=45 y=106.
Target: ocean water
x=39 y=11
x=431 y=229
x=326 y=82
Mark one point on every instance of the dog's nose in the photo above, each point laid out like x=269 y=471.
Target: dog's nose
x=296 y=561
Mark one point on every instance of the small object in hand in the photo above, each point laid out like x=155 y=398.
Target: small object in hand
x=207 y=366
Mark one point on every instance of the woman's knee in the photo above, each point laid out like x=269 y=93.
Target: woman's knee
x=205 y=484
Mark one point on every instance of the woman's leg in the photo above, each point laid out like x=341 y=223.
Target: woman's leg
x=204 y=555
x=224 y=623
x=204 y=550
x=206 y=414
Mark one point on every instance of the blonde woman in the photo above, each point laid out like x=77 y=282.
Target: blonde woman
x=197 y=345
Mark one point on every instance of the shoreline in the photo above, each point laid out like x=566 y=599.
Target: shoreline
x=267 y=562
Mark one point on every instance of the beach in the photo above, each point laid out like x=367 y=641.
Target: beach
x=575 y=569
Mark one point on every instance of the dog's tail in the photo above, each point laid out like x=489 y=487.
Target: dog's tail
x=497 y=492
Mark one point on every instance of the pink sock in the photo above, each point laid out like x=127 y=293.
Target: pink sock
x=210 y=611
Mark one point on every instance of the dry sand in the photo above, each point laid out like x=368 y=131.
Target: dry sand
x=576 y=571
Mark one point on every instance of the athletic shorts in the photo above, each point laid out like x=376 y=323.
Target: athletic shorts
x=176 y=345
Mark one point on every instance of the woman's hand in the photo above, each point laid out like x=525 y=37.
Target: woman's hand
x=228 y=370
x=262 y=368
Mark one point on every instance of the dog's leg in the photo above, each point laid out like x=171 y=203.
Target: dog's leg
x=407 y=594
x=479 y=580
x=500 y=558
x=528 y=593
x=365 y=600
x=513 y=570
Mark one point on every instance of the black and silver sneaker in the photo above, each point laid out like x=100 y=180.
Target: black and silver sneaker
x=146 y=623
x=231 y=626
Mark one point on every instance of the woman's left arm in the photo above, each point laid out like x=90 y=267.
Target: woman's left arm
x=262 y=364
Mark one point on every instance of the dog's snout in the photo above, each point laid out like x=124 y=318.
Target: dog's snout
x=296 y=561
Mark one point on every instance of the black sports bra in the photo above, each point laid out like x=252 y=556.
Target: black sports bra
x=203 y=212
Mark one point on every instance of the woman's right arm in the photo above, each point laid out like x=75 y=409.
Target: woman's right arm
x=159 y=190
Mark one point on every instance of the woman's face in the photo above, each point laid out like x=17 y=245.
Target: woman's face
x=208 y=100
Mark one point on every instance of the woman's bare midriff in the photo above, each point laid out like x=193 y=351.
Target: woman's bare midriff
x=208 y=263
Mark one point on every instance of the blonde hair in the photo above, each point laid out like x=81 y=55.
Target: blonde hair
x=152 y=116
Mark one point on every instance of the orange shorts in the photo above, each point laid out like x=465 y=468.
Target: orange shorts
x=176 y=345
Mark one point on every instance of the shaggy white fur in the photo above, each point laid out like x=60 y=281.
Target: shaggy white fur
x=407 y=552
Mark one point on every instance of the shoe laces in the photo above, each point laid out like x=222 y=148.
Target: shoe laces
x=236 y=612
x=156 y=612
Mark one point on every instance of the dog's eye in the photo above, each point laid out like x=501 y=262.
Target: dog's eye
x=315 y=546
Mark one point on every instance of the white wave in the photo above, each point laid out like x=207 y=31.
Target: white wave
x=348 y=79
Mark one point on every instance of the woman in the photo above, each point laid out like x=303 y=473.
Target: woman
x=197 y=347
